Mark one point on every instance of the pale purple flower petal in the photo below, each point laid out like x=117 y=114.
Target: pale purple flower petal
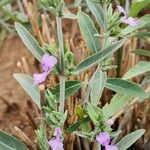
x=56 y=144
x=123 y=19
x=131 y=21
x=39 y=78
x=103 y=138
x=128 y=20
x=57 y=132
x=110 y=147
x=122 y=10
x=110 y=122
x=48 y=62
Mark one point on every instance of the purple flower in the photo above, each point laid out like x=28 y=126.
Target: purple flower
x=128 y=20
x=56 y=143
x=48 y=62
x=57 y=132
x=39 y=78
x=110 y=122
x=110 y=147
x=103 y=138
x=122 y=10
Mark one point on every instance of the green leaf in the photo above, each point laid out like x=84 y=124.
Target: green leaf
x=76 y=3
x=142 y=35
x=125 y=87
x=130 y=139
x=137 y=6
x=118 y=102
x=76 y=125
x=27 y=84
x=94 y=112
x=71 y=86
x=8 y=142
x=29 y=41
x=146 y=79
x=85 y=127
x=68 y=14
x=97 y=57
x=139 y=68
x=5 y=2
x=97 y=85
x=115 y=133
x=3 y=35
x=82 y=135
x=88 y=31
x=79 y=111
x=42 y=137
x=97 y=12
x=142 y=52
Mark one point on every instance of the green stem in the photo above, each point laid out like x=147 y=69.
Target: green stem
x=62 y=93
x=98 y=146
x=5 y=25
x=61 y=63
x=20 y=5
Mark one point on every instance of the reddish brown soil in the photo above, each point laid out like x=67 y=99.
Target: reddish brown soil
x=15 y=105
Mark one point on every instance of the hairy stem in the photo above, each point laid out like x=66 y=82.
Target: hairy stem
x=20 y=5
x=62 y=93
x=98 y=146
x=61 y=63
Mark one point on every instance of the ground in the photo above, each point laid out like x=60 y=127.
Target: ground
x=16 y=107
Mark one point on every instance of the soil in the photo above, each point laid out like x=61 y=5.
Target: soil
x=16 y=107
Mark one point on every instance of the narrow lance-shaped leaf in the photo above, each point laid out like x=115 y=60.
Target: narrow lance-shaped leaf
x=117 y=103
x=146 y=79
x=76 y=3
x=142 y=52
x=4 y=2
x=68 y=15
x=29 y=41
x=8 y=142
x=97 y=85
x=97 y=12
x=97 y=57
x=76 y=125
x=137 y=6
x=70 y=88
x=139 y=68
x=125 y=87
x=88 y=31
x=142 y=34
x=27 y=84
x=93 y=112
x=42 y=137
x=130 y=139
